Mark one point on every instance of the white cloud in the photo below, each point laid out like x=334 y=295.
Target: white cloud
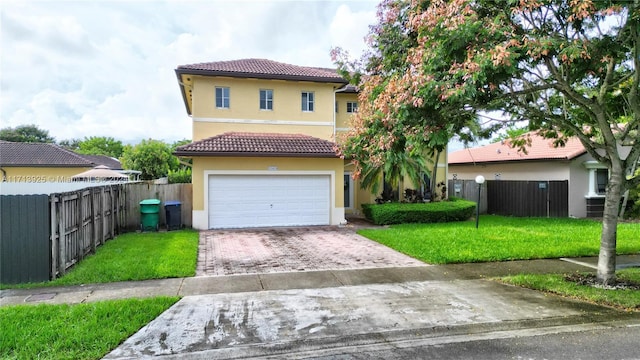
x=82 y=69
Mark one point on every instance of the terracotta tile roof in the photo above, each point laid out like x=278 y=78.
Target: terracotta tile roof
x=540 y=149
x=263 y=69
x=39 y=155
x=259 y=144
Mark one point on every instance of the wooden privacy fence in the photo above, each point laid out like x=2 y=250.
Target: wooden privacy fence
x=168 y=192
x=83 y=220
x=42 y=236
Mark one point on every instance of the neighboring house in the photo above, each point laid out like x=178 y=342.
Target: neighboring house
x=45 y=162
x=111 y=163
x=264 y=151
x=584 y=178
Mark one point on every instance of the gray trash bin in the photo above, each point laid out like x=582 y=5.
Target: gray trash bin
x=173 y=212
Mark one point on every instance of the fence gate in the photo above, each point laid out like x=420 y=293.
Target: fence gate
x=528 y=198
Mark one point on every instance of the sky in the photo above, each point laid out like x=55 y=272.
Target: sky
x=106 y=68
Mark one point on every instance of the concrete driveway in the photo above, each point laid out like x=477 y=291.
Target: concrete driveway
x=270 y=250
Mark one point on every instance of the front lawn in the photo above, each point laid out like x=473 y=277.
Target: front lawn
x=628 y=299
x=501 y=238
x=134 y=256
x=82 y=331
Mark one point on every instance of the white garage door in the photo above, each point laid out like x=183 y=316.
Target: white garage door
x=237 y=201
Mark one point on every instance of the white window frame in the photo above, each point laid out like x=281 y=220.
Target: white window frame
x=352 y=107
x=223 y=104
x=308 y=103
x=593 y=167
x=267 y=105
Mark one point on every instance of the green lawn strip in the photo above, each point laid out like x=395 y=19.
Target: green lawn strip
x=556 y=283
x=134 y=256
x=82 y=331
x=500 y=238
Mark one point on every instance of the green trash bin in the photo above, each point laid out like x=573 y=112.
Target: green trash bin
x=150 y=214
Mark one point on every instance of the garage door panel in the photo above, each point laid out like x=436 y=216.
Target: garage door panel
x=268 y=200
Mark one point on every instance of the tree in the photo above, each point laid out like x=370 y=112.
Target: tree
x=512 y=133
x=26 y=133
x=568 y=67
x=101 y=145
x=70 y=144
x=396 y=133
x=152 y=157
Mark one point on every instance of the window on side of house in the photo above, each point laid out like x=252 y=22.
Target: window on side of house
x=222 y=97
x=307 y=101
x=266 y=99
x=352 y=107
x=602 y=178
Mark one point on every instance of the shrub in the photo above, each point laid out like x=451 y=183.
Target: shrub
x=401 y=213
x=180 y=176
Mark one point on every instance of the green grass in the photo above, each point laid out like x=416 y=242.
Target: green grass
x=501 y=238
x=134 y=256
x=625 y=299
x=82 y=331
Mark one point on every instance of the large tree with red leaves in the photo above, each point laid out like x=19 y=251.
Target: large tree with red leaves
x=566 y=67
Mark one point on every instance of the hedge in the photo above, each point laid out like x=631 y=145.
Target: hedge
x=401 y=213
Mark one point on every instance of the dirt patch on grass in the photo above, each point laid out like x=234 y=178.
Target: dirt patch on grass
x=591 y=280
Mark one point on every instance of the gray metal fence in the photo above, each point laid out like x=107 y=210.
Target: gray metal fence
x=24 y=239
x=516 y=198
x=468 y=189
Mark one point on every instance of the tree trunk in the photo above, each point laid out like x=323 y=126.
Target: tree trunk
x=434 y=174
x=607 y=257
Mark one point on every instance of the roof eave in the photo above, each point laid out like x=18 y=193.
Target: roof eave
x=183 y=91
x=48 y=165
x=253 y=154
x=247 y=75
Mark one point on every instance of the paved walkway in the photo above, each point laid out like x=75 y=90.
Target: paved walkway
x=296 y=280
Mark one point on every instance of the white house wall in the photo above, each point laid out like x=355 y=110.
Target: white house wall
x=578 y=187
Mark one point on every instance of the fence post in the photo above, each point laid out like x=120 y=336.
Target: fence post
x=79 y=225
x=113 y=215
x=101 y=215
x=62 y=243
x=54 y=237
x=94 y=236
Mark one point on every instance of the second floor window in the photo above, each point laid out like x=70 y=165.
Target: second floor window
x=266 y=99
x=307 y=101
x=222 y=97
x=352 y=107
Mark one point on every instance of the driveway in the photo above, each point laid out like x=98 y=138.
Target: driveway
x=270 y=250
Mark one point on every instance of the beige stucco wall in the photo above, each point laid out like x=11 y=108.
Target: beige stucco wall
x=41 y=174
x=342 y=116
x=203 y=167
x=244 y=112
x=556 y=170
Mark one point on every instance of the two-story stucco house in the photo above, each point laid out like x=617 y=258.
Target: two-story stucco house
x=263 y=149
